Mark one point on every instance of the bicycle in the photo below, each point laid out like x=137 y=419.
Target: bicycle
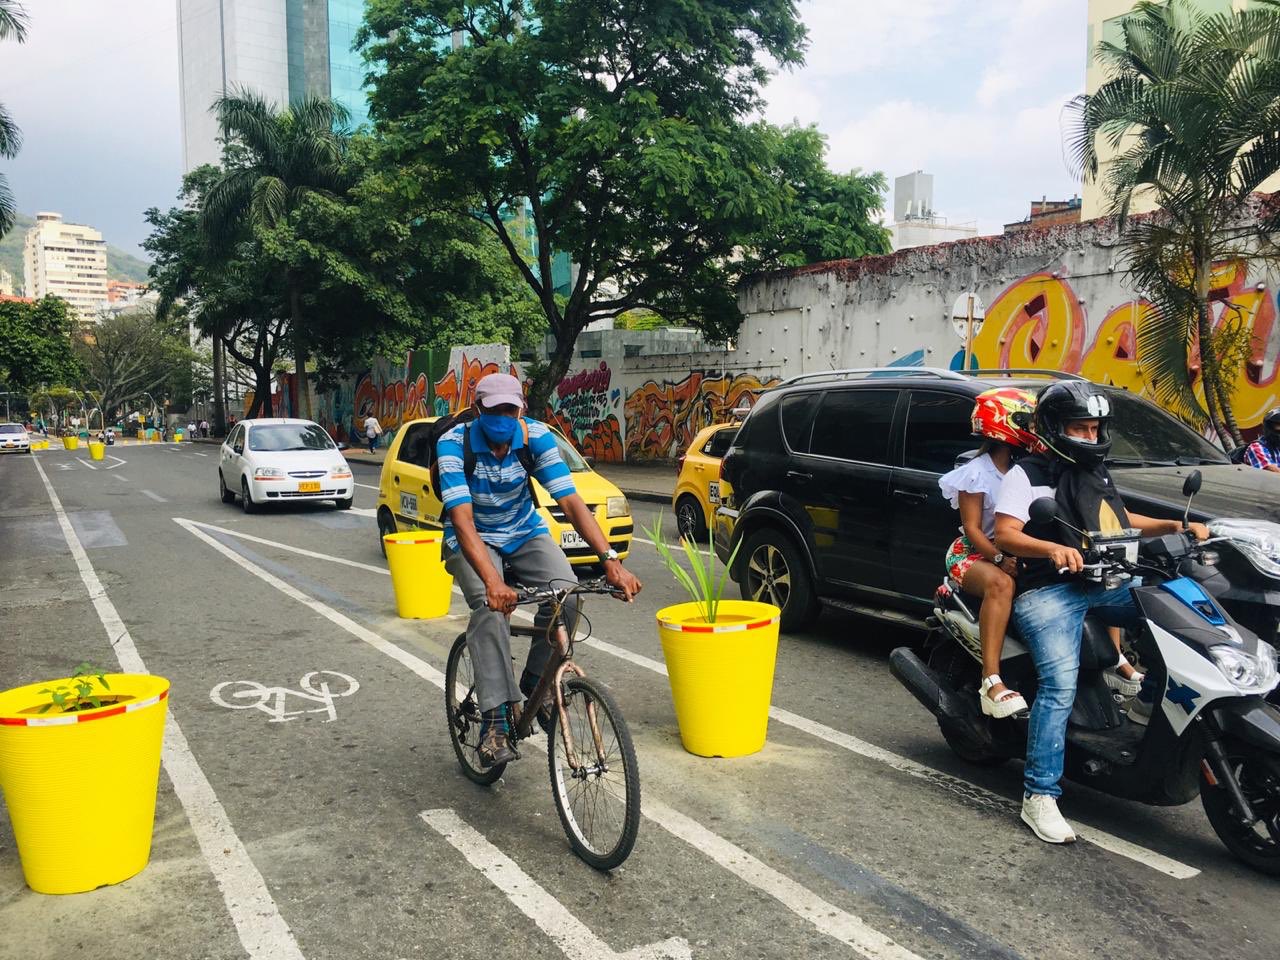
x=597 y=791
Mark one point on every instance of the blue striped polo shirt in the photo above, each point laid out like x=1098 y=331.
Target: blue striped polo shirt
x=505 y=515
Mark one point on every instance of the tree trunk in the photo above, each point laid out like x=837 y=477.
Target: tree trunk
x=302 y=408
x=1209 y=368
x=219 y=375
x=557 y=366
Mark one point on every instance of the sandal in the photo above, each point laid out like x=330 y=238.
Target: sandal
x=1125 y=686
x=1004 y=704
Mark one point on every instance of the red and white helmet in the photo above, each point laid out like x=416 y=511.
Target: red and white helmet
x=1005 y=414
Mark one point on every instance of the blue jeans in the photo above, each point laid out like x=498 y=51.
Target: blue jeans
x=1050 y=620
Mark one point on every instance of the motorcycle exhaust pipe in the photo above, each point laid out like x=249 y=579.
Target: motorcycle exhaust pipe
x=945 y=704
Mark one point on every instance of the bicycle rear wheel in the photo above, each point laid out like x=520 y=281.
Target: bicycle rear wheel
x=599 y=803
x=463 y=713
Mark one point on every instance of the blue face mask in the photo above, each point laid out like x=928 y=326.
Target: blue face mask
x=497 y=428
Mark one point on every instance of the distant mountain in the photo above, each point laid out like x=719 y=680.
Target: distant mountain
x=120 y=265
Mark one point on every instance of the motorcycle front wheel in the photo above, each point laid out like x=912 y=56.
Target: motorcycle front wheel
x=1258 y=774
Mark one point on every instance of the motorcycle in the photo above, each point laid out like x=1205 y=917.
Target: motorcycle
x=1210 y=732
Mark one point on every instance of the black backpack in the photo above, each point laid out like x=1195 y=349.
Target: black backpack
x=445 y=424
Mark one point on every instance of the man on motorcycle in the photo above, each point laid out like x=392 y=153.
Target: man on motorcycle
x=1264 y=453
x=1072 y=419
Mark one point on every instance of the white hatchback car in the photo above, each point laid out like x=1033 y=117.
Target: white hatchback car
x=278 y=459
x=14 y=439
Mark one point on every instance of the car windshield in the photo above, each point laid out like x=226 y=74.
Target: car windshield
x=1144 y=435
x=572 y=459
x=289 y=436
x=12 y=428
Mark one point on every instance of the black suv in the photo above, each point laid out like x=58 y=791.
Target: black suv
x=835 y=483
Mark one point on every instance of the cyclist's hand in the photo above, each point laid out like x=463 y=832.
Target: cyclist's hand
x=619 y=576
x=1067 y=559
x=500 y=597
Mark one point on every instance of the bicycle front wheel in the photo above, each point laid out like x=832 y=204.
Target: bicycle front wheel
x=599 y=799
x=463 y=714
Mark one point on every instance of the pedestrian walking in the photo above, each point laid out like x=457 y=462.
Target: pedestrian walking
x=372 y=430
x=204 y=429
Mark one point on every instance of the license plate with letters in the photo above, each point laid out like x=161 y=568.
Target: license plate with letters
x=309 y=486
x=409 y=504
x=713 y=491
x=571 y=538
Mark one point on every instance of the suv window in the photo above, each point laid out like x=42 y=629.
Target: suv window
x=1143 y=433
x=938 y=430
x=415 y=448
x=719 y=442
x=854 y=425
x=797 y=419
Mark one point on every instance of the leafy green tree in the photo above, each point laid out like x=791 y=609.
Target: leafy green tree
x=134 y=353
x=1189 y=108
x=13 y=25
x=36 y=344
x=277 y=161
x=618 y=132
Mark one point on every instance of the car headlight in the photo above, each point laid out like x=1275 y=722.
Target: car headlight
x=616 y=507
x=263 y=473
x=1247 y=672
x=340 y=471
x=1259 y=540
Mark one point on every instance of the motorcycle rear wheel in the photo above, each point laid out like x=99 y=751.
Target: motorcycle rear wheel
x=959 y=673
x=1259 y=776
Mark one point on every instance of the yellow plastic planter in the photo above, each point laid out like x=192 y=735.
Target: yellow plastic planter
x=70 y=443
x=423 y=587
x=80 y=787
x=97 y=451
x=177 y=438
x=142 y=434
x=721 y=674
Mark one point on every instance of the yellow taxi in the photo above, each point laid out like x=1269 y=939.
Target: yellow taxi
x=406 y=500
x=699 y=489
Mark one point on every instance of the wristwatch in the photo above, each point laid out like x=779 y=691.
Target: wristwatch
x=610 y=554
x=998 y=559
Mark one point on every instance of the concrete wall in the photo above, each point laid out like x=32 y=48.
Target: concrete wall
x=1056 y=299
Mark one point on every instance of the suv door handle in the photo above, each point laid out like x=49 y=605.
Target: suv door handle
x=798 y=475
x=915 y=496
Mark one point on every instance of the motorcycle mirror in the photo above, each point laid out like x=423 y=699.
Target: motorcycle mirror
x=1191 y=486
x=1044 y=510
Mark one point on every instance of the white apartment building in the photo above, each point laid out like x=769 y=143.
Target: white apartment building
x=67 y=260
x=6 y=283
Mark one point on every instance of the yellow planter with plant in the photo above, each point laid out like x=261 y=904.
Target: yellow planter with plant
x=720 y=657
x=79 y=832
x=70 y=442
x=97 y=451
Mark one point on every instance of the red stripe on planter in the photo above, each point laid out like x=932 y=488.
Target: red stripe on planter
x=720 y=628
x=58 y=720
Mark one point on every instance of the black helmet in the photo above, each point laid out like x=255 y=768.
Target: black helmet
x=1063 y=401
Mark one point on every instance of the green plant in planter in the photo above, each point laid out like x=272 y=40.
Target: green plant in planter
x=701 y=584
x=83 y=696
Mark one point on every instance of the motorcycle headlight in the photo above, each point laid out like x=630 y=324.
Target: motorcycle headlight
x=616 y=507
x=1259 y=540
x=263 y=472
x=1247 y=672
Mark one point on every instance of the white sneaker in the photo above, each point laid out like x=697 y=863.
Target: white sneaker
x=1040 y=813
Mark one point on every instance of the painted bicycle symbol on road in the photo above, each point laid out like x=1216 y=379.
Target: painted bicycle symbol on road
x=318 y=686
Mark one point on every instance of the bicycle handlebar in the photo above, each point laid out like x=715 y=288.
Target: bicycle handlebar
x=542 y=595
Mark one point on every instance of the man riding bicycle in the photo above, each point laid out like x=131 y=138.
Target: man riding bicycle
x=491 y=522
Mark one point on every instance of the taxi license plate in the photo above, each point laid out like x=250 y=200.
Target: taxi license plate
x=713 y=491
x=409 y=504
x=571 y=538
x=309 y=486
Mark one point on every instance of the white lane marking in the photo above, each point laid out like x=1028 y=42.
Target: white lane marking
x=367 y=486
x=803 y=903
x=154 y=496
x=120 y=476
x=570 y=934
x=262 y=930
x=642 y=540
x=118 y=461
x=86 y=463
x=195 y=454
x=362 y=511
x=1099 y=838
x=284 y=546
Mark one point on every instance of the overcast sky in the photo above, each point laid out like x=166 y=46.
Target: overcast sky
x=971 y=92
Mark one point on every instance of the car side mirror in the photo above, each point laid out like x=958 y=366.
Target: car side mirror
x=344 y=446
x=1191 y=486
x=1044 y=510
x=238 y=448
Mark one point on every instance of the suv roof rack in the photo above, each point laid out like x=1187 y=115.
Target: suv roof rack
x=1022 y=372
x=938 y=372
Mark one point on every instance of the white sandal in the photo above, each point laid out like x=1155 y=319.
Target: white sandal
x=1125 y=686
x=1006 y=704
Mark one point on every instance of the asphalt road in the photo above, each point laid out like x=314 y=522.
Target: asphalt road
x=854 y=833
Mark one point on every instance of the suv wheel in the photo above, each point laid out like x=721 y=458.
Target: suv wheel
x=774 y=571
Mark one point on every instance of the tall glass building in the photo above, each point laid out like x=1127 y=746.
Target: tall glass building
x=282 y=49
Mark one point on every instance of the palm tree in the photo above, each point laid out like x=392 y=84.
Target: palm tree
x=273 y=160
x=13 y=23
x=1191 y=110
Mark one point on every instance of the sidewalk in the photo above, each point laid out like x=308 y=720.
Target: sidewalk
x=640 y=481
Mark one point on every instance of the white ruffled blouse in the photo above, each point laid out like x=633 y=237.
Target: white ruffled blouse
x=979 y=475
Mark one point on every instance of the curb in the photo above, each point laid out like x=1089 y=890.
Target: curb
x=646 y=496
x=368 y=461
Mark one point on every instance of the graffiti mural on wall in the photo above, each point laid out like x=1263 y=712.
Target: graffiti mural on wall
x=456 y=389
x=393 y=392
x=585 y=407
x=1038 y=322
x=663 y=418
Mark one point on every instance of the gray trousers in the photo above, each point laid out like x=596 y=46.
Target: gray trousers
x=540 y=563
